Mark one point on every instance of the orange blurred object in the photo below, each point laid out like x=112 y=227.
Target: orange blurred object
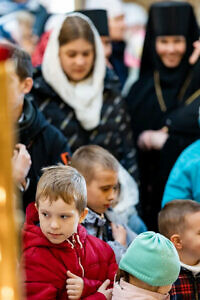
x=9 y=279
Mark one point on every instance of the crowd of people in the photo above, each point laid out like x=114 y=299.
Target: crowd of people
x=97 y=160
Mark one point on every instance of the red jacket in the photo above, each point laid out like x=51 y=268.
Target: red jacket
x=46 y=264
x=37 y=56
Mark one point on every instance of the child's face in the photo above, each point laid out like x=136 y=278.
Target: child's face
x=17 y=89
x=102 y=190
x=16 y=94
x=190 y=239
x=58 y=220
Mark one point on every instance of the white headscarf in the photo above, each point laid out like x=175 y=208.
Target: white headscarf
x=85 y=97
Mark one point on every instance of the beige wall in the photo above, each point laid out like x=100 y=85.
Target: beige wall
x=79 y=4
x=147 y=3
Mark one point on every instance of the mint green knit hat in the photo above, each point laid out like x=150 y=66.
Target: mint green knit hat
x=152 y=258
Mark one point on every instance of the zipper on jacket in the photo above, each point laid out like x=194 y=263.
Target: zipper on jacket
x=82 y=269
x=76 y=239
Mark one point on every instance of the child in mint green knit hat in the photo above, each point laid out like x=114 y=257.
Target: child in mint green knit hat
x=148 y=269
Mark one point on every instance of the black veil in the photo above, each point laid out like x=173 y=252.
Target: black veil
x=168 y=18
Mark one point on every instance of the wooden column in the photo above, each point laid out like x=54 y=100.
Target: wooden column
x=9 y=288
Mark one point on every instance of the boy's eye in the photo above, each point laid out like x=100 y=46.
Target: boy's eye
x=45 y=214
x=64 y=217
x=105 y=189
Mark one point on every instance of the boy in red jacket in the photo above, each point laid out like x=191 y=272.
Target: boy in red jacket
x=57 y=249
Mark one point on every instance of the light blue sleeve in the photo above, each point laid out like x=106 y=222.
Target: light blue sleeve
x=179 y=184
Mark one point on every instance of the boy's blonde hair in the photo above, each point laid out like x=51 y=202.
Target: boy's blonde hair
x=86 y=158
x=171 y=219
x=64 y=182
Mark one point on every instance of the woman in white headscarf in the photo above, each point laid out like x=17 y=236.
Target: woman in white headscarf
x=74 y=95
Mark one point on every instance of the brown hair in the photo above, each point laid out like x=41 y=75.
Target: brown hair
x=86 y=158
x=122 y=274
x=74 y=28
x=65 y=182
x=23 y=64
x=171 y=218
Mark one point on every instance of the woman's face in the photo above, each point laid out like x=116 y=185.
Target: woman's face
x=171 y=49
x=117 y=28
x=77 y=59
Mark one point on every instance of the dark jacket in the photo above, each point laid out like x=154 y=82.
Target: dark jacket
x=165 y=97
x=45 y=144
x=117 y=61
x=113 y=132
x=186 y=287
x=46 y=264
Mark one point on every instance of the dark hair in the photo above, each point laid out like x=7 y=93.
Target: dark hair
x=23 y=65
x=74 y=28
x=22 y=60
x=122 y=274
x=171 y=219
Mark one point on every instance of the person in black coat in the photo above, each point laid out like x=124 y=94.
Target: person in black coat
x=39 y=144
x=164 y=102
x=75 y=94
x=45 y=144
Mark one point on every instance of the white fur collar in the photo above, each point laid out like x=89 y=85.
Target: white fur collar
x=194 y=269
x=85 y=97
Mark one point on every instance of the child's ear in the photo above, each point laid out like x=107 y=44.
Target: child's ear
x=36 y=206
x=83 y=215
x=176 y=240
x=27 y=85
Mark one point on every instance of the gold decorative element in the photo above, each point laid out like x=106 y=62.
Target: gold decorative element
x=159 y=92
x=192 y=97
x=180 y=95
x=184 y=86
x=9 y=288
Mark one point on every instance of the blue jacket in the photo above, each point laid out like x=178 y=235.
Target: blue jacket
x=184 y=179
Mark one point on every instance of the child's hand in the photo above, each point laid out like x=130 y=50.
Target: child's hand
x=102 y=289
x=119 y=234
x=21 y=162
x=74 y=286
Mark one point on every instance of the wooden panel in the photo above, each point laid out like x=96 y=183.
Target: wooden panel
x=8 y=240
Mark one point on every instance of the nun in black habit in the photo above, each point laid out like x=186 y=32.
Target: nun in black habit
x=164 y=103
